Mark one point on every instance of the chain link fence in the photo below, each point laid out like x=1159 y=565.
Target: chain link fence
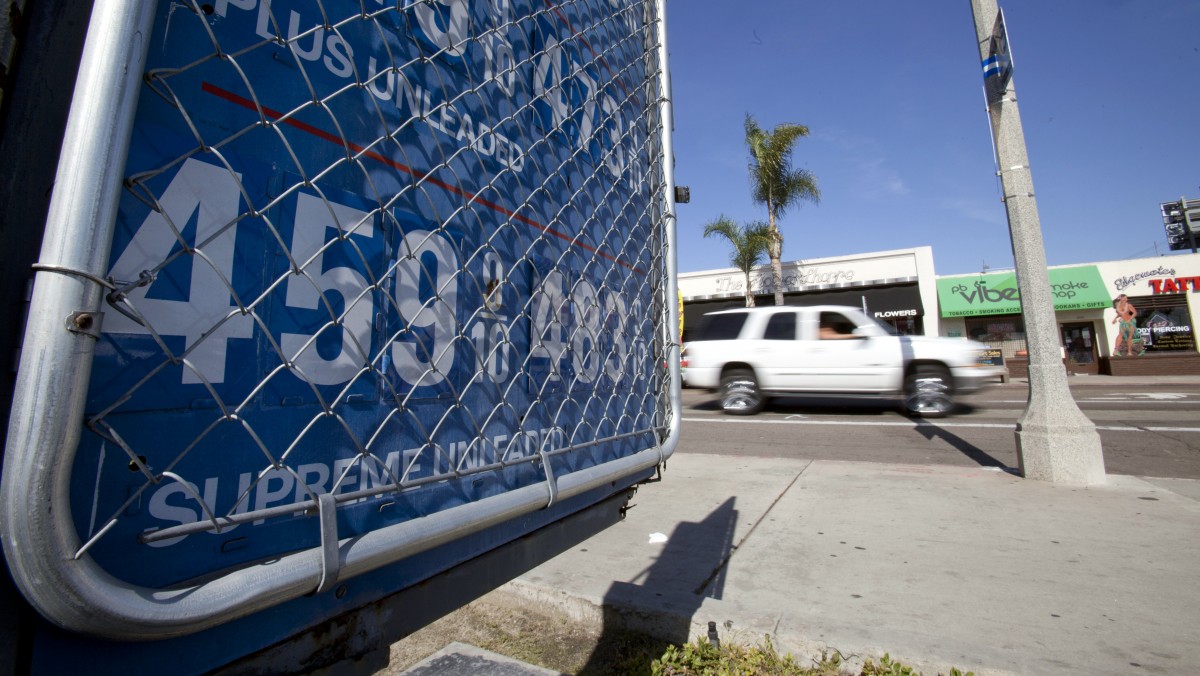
x=376 y=276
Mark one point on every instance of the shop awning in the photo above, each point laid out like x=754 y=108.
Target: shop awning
x=886 y=302
x=1073 y=288
x=895 y=302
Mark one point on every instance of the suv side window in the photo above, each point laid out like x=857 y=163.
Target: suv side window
x=834 y=325
x=721 y=327
x=781 y=326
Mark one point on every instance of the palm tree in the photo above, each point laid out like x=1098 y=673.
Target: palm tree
x=774 y=183
x=749 y=243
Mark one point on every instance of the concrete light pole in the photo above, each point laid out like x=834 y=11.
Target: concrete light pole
x=1055 y=441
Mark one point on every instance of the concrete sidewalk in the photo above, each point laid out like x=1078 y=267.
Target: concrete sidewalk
x=940 y=566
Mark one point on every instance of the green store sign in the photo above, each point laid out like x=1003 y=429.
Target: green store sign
x=1079 y=288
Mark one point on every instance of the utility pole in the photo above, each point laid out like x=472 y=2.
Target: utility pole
x=1055 y=441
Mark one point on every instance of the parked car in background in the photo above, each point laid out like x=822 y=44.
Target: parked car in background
x=751 y=354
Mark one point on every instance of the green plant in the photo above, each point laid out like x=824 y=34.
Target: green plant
x=730 y=659
x=890 y=667
x=776 y=185
x=748 y=244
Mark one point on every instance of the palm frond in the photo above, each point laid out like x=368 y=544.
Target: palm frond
x=748 y=244
x=773 y=182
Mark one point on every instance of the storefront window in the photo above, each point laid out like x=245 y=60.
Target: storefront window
x=905 y=326
x=1005 y=332
x=1164 y=324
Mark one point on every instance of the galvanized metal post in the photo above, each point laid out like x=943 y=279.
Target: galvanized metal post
x=666 y=110
x=56 y=360
x=1055 y=441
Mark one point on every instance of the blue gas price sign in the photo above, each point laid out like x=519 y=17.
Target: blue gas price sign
x=377 y=252
x=391 y=260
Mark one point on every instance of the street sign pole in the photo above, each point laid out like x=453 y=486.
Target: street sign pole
x=1055 y=441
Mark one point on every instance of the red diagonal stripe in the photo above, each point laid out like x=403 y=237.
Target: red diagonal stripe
x=421 y=175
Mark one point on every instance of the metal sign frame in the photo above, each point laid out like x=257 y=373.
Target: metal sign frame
x=91 y=293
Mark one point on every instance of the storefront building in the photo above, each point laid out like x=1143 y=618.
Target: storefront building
x=896 y=287
x=1165 y=291
x=900 y=288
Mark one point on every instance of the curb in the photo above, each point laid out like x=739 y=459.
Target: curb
x=665 y=625
x=595 y=611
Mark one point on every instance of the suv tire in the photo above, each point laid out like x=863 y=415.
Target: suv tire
x=928 y=391
x=740 y=394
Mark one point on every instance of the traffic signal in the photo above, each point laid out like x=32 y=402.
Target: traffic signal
x=1172 y=212
x=1177 y=216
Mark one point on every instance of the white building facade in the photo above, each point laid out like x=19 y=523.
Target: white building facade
x=900 y=288
x=897 y=287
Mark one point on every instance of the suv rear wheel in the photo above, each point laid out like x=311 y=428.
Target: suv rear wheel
x=740 y=394
x=928 y=391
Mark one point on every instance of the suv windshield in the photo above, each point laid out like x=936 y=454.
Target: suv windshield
x=725 y=326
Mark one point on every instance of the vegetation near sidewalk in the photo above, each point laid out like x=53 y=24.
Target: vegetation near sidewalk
x=544 y=636
x=702 y=657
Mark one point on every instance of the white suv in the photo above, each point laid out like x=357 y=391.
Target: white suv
x=750 y=354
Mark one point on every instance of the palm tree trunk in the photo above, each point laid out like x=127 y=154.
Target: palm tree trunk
x=775 y=252
x=749 y=291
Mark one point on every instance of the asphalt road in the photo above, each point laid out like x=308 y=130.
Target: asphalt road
x=1146 y=429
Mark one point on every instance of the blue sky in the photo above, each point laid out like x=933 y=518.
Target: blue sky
x=1109 y=95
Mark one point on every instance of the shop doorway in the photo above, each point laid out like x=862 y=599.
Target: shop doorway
x=1079 y=343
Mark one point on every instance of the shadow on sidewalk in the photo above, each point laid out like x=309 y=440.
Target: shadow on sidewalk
x=983 y=458
x=643 y=617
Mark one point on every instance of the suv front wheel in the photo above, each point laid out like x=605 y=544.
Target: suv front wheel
x=740 y=394
x=928 y=392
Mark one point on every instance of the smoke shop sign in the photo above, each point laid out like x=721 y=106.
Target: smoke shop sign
x=1077 y=288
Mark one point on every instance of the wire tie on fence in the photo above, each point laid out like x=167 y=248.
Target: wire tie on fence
x=63 y=270
x=327 y=514
x=116 y=297
x=550 y=482
x=191 y=491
